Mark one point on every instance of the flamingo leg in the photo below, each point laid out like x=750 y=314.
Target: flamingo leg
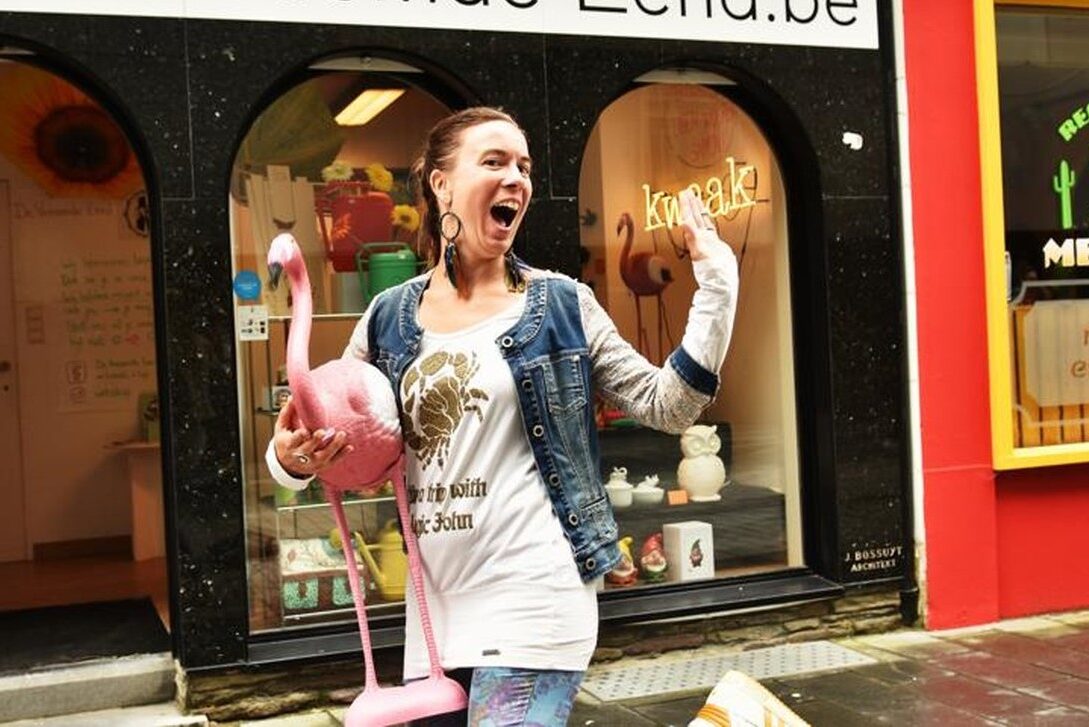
x=663 y=320
x=415 y=567
x=659 y=308
x=641 y=337
x=333 y=496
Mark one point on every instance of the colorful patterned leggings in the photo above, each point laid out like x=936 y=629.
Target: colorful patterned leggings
x=506 y=697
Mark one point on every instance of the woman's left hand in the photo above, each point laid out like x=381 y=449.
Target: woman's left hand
x=700 y=236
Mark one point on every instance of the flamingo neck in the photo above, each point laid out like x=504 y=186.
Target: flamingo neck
x=625 y=251
x=303 y=391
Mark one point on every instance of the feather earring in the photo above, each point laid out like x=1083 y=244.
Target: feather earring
x=449 y=261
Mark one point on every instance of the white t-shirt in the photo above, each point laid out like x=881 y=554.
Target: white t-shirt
x=501 y=583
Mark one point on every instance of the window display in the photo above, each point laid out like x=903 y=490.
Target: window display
x=338 y=185
x=722 y=499
x=1043 y=84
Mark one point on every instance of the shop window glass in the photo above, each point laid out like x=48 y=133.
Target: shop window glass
x=1043 y=84
x=647 y=146
x=339 y=185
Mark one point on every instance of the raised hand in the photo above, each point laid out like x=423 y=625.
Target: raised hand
x=700 y=236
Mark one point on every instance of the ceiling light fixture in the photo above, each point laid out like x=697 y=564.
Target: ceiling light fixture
x=367 y=105
x=685 y=75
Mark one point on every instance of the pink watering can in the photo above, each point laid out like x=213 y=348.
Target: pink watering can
x=352 y=396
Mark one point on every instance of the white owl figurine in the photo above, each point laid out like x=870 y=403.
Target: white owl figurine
x=701 y=473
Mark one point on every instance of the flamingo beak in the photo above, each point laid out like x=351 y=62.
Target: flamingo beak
x=275 y=270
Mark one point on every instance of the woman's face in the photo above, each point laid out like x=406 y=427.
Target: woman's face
x=488 y=187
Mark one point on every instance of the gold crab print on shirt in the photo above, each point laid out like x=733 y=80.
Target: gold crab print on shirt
x=437 y=396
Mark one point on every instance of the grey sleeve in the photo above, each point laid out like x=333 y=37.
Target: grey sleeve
x=659 y=397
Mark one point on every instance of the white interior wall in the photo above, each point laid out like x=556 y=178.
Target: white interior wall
x=77 y=263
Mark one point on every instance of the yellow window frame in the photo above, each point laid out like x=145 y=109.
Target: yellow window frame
x=1004 y=452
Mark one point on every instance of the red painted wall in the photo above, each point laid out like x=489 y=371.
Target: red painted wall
x=1043 y=540
x=1003 y=545
x=959 y=495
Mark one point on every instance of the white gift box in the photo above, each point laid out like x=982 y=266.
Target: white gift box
x=689 y=550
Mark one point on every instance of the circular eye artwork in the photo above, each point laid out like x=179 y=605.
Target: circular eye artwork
x=81 y=144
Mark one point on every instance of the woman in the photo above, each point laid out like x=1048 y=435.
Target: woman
x=493 y=363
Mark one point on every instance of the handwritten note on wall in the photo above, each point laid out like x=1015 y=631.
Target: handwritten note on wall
x=106 y=326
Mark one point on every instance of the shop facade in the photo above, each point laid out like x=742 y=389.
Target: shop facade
x=792 y=143
x=994 y=91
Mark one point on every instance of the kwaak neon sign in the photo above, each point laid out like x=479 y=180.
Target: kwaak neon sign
x=721 y=197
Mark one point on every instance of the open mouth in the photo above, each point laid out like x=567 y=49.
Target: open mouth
x=504 y=213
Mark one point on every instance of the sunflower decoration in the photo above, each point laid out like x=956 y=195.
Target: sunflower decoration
x=406 y=220
x=338 y=171
x=62 y=139
x=380 y=178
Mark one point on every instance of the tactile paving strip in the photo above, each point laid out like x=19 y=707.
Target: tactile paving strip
x=663 y=677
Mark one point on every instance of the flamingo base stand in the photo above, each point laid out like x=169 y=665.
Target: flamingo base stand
x=379 y=706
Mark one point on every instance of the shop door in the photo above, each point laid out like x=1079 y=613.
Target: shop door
x=12 y=515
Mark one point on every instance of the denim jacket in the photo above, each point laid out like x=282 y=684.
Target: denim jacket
x=553 y=366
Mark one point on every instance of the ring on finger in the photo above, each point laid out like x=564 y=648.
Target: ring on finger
x=302 y=458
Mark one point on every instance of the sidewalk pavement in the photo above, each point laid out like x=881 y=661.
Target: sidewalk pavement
x=1032 y=671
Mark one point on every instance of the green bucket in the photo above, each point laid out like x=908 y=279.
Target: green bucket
x=383 y=265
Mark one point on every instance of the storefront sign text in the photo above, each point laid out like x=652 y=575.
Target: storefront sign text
x=1078 y=119
x=824 y=23
x=864 y=560
x=721 y=196
x=1072 y=252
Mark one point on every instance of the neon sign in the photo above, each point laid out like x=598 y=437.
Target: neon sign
x=1072 y=252
x=722 y=197
x=1062 y=182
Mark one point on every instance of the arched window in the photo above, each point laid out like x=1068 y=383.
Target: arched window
x=328 y=162
x=679 y=129
x=78 y=388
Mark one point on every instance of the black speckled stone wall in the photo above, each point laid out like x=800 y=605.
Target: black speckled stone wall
x=187 y=90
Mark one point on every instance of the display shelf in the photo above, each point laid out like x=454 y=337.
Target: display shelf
x=350 y=315
x=346 y=502
x=748 y=525
x=748 y=521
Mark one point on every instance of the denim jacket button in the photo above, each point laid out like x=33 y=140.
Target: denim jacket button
x=527 y=384
x=507 y=342
x=573 y=519
x=554 y=479
x=538 y=431
x=589 y=564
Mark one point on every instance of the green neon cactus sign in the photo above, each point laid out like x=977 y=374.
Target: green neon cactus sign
x=1062 y=183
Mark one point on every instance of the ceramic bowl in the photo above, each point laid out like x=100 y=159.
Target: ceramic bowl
x=647 y=495
x=619 y=493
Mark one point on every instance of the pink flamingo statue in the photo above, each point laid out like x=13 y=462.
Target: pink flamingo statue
x=646 y=276
x=352 y=396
